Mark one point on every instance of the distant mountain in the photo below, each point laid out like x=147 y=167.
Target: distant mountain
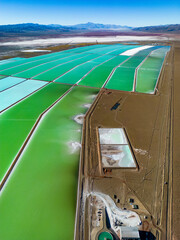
x=30 y=27
x=32 y=30
x=172 y=28
x=98 y=26
x=54 y=30
x=36 y=30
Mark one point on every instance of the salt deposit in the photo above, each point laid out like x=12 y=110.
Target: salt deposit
x=71 y=40
x=35 y=50
x=74 y=146
x=79 y=118
x=135 y=50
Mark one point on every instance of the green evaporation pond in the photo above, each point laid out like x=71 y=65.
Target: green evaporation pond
x=16 y=122
x=123 y=77
x=148 y=73
x=39 y=200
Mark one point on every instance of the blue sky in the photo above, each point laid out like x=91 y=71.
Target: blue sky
x=69 y=12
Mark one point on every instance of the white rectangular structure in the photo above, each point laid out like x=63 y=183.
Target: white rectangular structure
x=115 y=149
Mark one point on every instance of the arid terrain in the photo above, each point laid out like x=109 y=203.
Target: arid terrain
x=151 y=123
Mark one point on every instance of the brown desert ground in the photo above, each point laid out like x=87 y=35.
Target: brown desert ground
x=152 y=126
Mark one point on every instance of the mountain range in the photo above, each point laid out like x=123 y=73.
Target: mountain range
x=94 y=26
x=32 y=29
x=171 y=28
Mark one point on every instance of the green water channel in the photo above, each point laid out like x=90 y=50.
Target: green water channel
x=54 y=73
x=29 y=73
x=16 y=123
x=123 y=77
x=21 y=61
x=28 y=60
x=148 y=73
x=39 y=200
x=76 y=74
x=32 y=69
x=99 y=75
x=86 y=48
x=16 y=69
x=107 y=50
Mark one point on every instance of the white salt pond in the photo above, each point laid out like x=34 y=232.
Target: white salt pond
x=35 y=50
x=115 y=149
x=71 y=40
x=112 y=136
x=135 y=50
